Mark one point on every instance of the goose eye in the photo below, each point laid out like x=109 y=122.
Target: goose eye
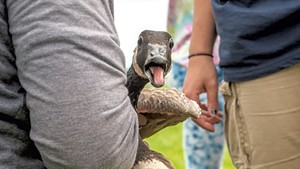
x=171 y=43
x=140 y=41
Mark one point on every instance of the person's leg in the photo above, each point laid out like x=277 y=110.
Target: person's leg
x=202 y=149
x=16 y=149
x=73 y=70
x=262 y=124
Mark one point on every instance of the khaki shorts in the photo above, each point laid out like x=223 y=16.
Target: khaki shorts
x=262 y=123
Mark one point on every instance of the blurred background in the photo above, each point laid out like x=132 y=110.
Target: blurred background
x=134 y=16
x=131 y=18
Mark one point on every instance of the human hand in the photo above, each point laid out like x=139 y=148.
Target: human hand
x=202 y=77
x=207 y=119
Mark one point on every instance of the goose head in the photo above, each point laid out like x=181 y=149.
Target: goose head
x=152 y=56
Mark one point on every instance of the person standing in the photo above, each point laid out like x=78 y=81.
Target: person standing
x=259 y=57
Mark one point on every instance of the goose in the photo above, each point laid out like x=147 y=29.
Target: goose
x=156 y=108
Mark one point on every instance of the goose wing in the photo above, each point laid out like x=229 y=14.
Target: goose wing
x=158 y=108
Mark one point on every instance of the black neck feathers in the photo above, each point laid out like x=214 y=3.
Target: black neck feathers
x=134 y=84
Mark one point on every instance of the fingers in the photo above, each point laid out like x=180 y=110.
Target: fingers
x=204 y=124
x=212 y=118
x=212 y=95
x=208 y=120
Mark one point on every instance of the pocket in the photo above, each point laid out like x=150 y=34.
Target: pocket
x=235 y=128
x=229 y=118
x=225 y=89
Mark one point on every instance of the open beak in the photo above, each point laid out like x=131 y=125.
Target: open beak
x=155 y=70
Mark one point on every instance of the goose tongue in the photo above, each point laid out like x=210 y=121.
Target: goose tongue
x=158 y=75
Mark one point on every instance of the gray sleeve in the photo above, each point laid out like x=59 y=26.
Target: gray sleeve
x=73 y=70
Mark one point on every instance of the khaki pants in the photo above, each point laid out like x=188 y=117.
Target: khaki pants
x=262 y=122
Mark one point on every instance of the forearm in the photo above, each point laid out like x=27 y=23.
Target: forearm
x=203 y=32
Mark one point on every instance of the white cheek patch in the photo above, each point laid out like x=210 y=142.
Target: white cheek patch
x=136 y=67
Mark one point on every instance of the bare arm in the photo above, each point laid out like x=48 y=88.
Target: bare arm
x=203 y=33
x=201 y=73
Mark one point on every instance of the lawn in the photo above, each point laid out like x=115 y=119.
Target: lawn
x=169 y=143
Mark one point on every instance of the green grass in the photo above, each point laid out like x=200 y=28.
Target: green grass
x=169 y=143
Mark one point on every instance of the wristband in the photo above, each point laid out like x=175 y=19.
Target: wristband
x=199 y=54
